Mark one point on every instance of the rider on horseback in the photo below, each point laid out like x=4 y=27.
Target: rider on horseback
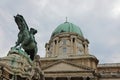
x=26 y=38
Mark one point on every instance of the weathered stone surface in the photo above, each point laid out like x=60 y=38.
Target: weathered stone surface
x=18 y=64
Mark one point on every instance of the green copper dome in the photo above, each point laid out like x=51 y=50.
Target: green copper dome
x=67 y=27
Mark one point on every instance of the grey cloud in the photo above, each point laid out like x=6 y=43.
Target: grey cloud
x=95 y=18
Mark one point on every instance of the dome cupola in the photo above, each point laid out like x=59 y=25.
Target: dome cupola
x=66 y=40
x=67 y=27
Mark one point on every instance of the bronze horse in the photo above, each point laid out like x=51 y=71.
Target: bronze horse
x=26 y=38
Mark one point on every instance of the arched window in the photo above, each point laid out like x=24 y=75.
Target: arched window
x=55 y=42
x=73 y=40
x=48 y=49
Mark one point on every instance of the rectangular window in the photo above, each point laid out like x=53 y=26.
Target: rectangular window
x=64 y=50
x=64 y=42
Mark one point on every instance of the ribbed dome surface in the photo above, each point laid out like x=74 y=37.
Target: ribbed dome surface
x=67 y=27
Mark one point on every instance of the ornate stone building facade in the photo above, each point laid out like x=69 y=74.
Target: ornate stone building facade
x=68 y=57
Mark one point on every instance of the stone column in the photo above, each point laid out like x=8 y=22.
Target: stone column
x=57 y=46
x=53 y=52
x=89 y=63
x=74 y=45
x=86 y=46
x=71 y=46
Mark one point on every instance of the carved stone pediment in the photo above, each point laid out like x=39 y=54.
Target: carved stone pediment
x=64 y=66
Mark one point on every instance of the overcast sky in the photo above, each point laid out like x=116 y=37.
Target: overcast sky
x=99 y=21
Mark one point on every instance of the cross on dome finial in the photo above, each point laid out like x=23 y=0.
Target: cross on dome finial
x=66 y=19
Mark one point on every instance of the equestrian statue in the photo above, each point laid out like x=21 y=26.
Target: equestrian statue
x=26 y=39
